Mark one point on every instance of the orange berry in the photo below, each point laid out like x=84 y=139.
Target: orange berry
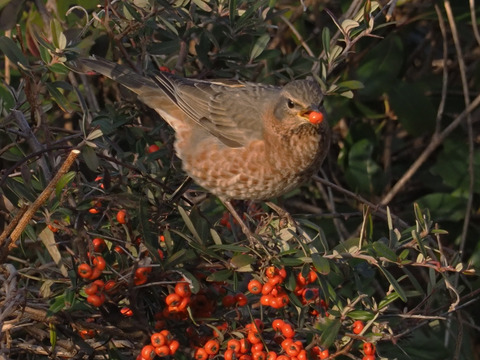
x=241 y=299
x=287 y=330
x=267 y=288
x=201 y=354
x=152 y=148
x=301 y=280
x=277 y=279
x=324 y=354
x=254 y=337
x=282 y=272
x=183 y=289
x=255 y=287
x=99 y=244
x=52 y=228
x=257 y=347
x=312 y=276
x=173 y=346
x=292 y=349
x=95 y=300
x=271 y=271
x=369 y=357
x=96 y=272
x=126 y=311
x=244 y=346
x=148 y=352
x=315 y=117
x=168 y=335
x=271 y=355
x=162 y=351
x=84 y=271
x=265 y=300
x=91 y=289
x=229 y=354
x=259 y=355
x=368 y=348
x=173 y=299
x=234 y=345
x=277 y=324
x=358 y=327
x=286 y=343
x=212 y=347
x=109 y=285
x=122 y=216
x=302 y=355
x=99 y=263
x=283 y=357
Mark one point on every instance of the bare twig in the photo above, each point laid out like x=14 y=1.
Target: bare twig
x=436 y=141
x=466 y=96
x=22 y=224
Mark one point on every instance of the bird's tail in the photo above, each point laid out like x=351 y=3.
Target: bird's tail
x=122 y=74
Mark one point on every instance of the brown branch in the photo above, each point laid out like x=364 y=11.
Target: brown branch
x=436 y=141
x=23 y=222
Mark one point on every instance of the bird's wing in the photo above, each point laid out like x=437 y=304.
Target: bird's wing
x=231 y=110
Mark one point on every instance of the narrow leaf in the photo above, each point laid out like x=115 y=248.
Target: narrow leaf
x=396 y=286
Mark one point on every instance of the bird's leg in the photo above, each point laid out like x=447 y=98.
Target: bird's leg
x=282 y=213
x=236 y=216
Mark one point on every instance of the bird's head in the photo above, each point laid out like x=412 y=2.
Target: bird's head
x=300 y=103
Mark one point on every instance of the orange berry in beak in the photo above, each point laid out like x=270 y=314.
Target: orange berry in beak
x=315 y=117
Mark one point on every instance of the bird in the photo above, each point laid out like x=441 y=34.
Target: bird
x=239 y=140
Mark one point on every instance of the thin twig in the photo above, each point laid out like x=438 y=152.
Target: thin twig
x=466 y=96
x=436 y=141
x=375 y=207
x=22 y=224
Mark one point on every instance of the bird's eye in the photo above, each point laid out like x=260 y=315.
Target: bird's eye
x=290 y=104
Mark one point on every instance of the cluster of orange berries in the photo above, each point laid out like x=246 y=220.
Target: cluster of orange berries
x=178 y=301
x=88 y=272
x=232 y=300
x=252 y=347
x=96 y=291
x=161 y=344
x=273 y=294
x=368 y=347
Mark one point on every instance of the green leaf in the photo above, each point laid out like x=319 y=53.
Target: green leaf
x=388 y=299
x=396 y=286
x=289 y=261
x=242 y=260
x=90 y=158
x=189 y=224
x=228 y=247
x=321 y=264
x=361 y=315
x=444 y=206
x=220 y=275
x=451 y=165
x=383 y=250
x=203 y=5
x=326 y=39
x=59 y=98
x=329 y=332
x=11 y=50
x=64 y=180
x=381 y=67
x=259 y=46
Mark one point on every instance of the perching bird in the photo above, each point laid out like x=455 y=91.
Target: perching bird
x=238 y=140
